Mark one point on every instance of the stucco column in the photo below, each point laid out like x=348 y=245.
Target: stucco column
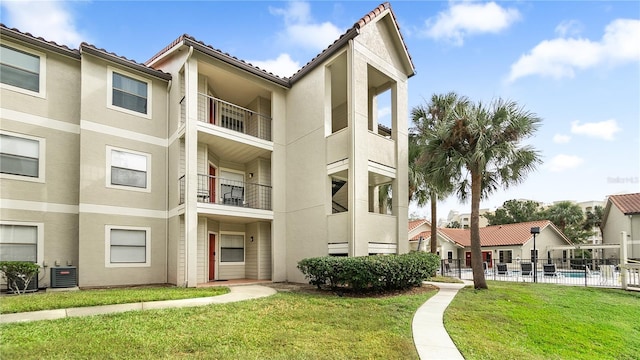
x=191 y=174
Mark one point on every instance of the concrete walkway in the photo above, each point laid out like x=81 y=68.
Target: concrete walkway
x=237 y=293
x=429 y=335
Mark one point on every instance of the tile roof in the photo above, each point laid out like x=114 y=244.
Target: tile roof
x=189 y=40
x=499 y=235
x=424 y=234
x=91 y=49
x=350 y=34
x=415 y=223
x=629 y=204
x=336 y=45
x=38 y=41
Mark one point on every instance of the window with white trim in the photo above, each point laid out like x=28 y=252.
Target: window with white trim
x=21 y=157
x=22 y=70
x=127 y=246
x=506 y=256
x=129 y=93
x=232 y=248
x=128 y=169
x=18 y=242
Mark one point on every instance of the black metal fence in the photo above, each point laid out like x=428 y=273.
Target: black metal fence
x=585 y=272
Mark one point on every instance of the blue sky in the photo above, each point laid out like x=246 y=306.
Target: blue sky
x=576 y=64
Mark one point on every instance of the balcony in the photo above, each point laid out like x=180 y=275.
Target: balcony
x=230 y=116
x=221 y=191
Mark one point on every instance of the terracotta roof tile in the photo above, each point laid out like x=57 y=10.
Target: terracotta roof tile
x=424 y=234
x=352 y=32
x=498 y=235
x=25 y=36
x=415 y=223
x=123 y=60
x=629 y=204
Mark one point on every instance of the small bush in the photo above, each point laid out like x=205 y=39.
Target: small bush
x=379 y=273
x=19 y=274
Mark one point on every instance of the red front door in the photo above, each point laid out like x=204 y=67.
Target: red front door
x=212 y=184
x=486 y=257
x=212 y=257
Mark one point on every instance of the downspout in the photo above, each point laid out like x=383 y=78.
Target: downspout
x=186 y=247
x=166 y=165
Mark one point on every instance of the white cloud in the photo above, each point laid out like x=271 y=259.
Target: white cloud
x=282 y=66
x=561 y=139
x=50 y=20
x=301 y=30
x=602 y=130
x=464 y=19
x=561 y=57
x=564 y=162
x=569 y=27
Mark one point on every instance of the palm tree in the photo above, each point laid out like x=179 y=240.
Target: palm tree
x=564 y=214
x=480 y=146
x=426 y=118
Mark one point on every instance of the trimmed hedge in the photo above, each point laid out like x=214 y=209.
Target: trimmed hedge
x=379 y=273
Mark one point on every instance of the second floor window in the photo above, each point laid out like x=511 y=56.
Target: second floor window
x=129 y=93
x=19 y=69
x=19 y=156
x=128 y=169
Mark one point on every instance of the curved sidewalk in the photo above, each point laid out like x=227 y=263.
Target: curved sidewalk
x=429 y=335
x=236 y=293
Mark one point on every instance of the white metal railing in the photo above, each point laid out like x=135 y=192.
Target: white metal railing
x=233 y=117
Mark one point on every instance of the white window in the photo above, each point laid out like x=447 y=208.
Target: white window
x=505 y=256
x=22 y=70
x=129 y=93
x=232 y=188
x=21 y=157
x=128 y=169
x=232 y=248
x=127 y=246
x=19 y=241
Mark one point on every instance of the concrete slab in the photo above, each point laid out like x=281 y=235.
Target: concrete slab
x=103 y=309
x=32 y=316
x=236 y=293
x=429 y=335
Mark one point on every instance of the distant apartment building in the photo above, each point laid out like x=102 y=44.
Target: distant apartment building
x=197 y=166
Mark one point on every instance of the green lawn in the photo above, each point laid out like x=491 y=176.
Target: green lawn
x=64 y=300
x=287 y=325
x=539 y=321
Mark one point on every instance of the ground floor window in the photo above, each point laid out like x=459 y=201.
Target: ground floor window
x=232 y=248
x=506 y=256
x=449 y=255
x=18 y=243
x=127 y=246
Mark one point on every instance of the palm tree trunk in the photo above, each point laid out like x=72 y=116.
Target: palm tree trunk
x=434 y=223
x=479 y=282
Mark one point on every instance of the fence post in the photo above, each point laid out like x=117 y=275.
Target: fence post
x=623 y=259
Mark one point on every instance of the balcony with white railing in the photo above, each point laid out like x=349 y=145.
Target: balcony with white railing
x=221 y=191
x=217 y=112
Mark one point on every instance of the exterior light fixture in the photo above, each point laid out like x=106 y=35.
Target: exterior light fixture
x=535 y=230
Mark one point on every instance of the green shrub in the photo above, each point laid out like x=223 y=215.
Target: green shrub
x=379 y=273
x=19 y=274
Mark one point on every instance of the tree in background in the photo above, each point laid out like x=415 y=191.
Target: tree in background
x=439 y=185
x=568 y=218
x=594 y=219
x=454 y=225
x=480 y=146
x=515 y=211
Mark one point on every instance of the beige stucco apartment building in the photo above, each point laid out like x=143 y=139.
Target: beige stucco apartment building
x=197 y=166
